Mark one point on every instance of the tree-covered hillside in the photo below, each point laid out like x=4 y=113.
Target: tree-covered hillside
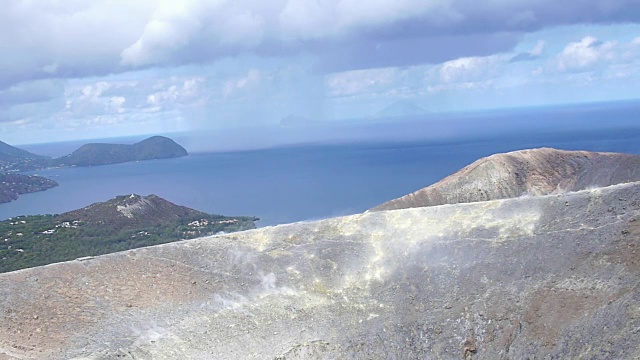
x=123 y=223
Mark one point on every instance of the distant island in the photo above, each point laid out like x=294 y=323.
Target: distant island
x=401 y=109
x=156 y=147
x=13 y=159
x=125 y=222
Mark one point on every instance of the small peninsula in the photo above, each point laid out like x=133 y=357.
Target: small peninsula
x=12 y=185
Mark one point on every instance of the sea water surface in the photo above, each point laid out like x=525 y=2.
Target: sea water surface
x=295 y=183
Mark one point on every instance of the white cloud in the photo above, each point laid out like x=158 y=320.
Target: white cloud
x=584 y=54
x=31 y=91
x=252 y=78
x=93 y=92
x=175 y=93
x=116 y=104
x=459 y=74
x=66 y=39
x=538 y=49
x=246 y=28
x=157 y=99
x=171 y=26
x=357 y=82
x=314 y=19
x=196 y=57
x=74 y=39
x=50 y=69
x=631 y=51
x=469 y=69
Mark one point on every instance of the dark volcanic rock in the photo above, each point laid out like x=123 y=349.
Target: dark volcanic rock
x=156 y=147
x=526 y=172
x=547 y=277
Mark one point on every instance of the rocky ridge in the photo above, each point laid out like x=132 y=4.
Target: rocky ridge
x=526 y=172
x=553 y=276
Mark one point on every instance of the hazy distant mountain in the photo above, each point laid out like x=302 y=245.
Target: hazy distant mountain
x=295 y=120
x=156 y=147
x=526 y=172
x=400 y=109
x=12 y=153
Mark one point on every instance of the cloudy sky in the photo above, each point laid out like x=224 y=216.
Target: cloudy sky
x=93 y=69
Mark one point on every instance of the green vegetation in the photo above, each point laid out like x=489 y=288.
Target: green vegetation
x=29 y=241
x=12 y=185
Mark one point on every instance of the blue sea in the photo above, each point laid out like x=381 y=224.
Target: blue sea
x=307 y=182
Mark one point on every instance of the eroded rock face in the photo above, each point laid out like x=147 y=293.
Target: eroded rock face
x=535 y=277
x=526 y=172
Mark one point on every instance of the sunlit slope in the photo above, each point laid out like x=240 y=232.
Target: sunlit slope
x=551 y=276
x=526 y=172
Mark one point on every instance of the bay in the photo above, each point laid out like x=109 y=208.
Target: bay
x=296 y=183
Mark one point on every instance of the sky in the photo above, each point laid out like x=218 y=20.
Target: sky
x=79 y=69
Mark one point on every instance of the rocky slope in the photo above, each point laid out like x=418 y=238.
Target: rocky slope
x=156 y=147
x=131 y=211
x=553 y=276
x=526 y=172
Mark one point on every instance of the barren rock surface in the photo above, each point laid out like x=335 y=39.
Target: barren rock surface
x=544 y=277
x=526 y=172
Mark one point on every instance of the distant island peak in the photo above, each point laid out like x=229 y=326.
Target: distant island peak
x=92 y=154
